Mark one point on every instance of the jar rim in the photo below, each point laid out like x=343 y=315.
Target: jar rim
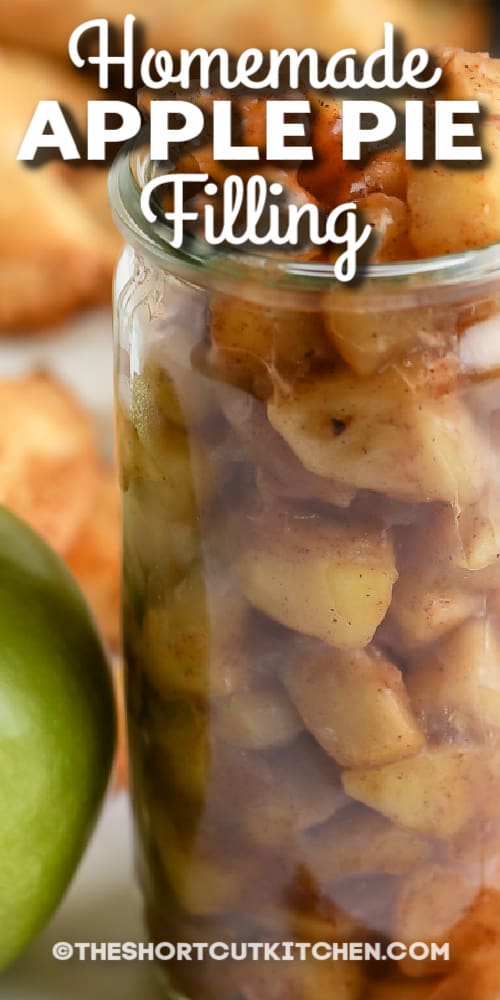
x=203 y=264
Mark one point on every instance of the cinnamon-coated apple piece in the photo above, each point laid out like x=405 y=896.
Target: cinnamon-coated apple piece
x=359 y=841
x=354 y=703
x=437 y=793
x=401 y=432
x=326 y=578
x=454 y=686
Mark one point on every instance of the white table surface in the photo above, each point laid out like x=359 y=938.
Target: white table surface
x=103 y=903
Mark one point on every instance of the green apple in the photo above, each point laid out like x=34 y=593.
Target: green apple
x=57 y=731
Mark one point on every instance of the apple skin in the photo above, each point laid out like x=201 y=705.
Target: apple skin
x=57 y=732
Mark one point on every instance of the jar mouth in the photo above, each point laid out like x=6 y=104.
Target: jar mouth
x=203 y=264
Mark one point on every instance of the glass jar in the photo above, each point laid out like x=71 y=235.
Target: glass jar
x=311 y=488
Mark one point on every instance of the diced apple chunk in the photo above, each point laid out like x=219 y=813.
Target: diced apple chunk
x=250 y=342
x=279 y=471
x=294 y=789
x=171 y=387
x=196 y=643
x=386 y=173
x=456 y=210
x=478 y=846
x=154 y=396
x=179 y=748
x=360 y=842
x=323 y=578
x=205 y=878
x=255 y=719
x=451 y=906
x=369 y=899
x=429 y=600
x=322 y=175
x=355 y=704
x=465 y=543
x=158 y=551
x=435 y=595
x=177 y=464
x=368 y=339
x=389 y=218
x=471 y=76
x=455 y=686
x=391 y=433
x=431 y=905
x=436 y=793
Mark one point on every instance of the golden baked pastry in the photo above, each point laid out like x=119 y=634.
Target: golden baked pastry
x=52 y=476
x=57 y=251
x=326 y=24
x=49 y=462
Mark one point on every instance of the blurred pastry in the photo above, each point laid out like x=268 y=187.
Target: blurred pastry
x=326 y=24
x=57 y=252
x=49 y=461
x=52 y=476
